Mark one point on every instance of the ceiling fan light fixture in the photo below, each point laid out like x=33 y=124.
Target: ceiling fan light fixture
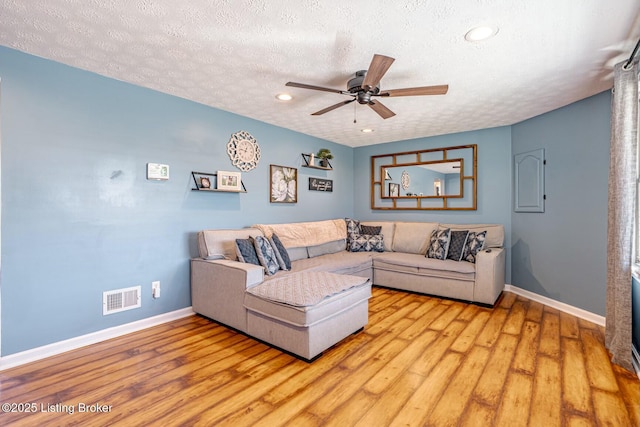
x=481 y=33
x=284 y=97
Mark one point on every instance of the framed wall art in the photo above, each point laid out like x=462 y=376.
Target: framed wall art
x=394 y=190
x=229 y=181
x=320 y=184
x=283 y=183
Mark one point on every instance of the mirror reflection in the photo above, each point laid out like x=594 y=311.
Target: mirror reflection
x=430 y=179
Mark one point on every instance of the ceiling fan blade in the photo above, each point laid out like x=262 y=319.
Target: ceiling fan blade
x=379 y=66
x=414 y=91
x=333 y=107
x=325 y=89
x=379 y=108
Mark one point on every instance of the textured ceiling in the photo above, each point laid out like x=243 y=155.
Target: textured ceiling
x=236 y=55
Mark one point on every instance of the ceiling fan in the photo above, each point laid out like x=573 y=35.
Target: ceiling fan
x=366 y=84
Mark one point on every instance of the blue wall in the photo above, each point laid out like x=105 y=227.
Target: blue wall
x=79 y=216
x=494 y=180
x=561 y=253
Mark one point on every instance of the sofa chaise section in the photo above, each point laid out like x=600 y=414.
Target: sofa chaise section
x=222 y=290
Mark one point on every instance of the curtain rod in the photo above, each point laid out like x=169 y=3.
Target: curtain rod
x=633 y=54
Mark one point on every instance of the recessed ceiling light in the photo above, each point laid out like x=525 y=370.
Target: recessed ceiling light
x=367 y=130
x=481 y=33
x=284 y=97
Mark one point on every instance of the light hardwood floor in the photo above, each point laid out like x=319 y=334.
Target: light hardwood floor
x=420 y=361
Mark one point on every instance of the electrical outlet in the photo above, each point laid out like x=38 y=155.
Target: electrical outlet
x=155 y=289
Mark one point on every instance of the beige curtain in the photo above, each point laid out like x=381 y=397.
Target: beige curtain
x=622 y=202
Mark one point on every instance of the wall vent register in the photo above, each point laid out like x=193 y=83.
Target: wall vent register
x=121 y=299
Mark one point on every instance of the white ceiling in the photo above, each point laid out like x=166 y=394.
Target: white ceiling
x=236 y=55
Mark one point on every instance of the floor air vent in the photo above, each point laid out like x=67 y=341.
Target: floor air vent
x=120 y=300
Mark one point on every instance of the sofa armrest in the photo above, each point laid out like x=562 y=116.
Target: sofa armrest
x=490 y=270
x=218 y=287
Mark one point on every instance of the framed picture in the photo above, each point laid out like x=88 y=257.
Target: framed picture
x=320 y=184
x=229 y=181
x=283 y=182
x=205 y=182
x=394 y=189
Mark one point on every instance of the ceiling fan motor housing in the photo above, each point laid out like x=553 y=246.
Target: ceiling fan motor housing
x=355 y=86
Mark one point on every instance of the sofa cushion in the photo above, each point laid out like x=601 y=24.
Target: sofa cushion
x=246 y=251
x=266 y=255
x=221 y=244
x=439 y=244
x=327 y=248
x=412 y=237
x=387 y=230
x=281 y=252
x=367 y=243
x=495 y=232
x=306 y=288
x=297 y=253
x=420 y=265
x=475 y=243
x=312 y=315
x=457 y=243
x=356 y=263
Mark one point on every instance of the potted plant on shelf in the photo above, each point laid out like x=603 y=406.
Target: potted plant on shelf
x=324 y=155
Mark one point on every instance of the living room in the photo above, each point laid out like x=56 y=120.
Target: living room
x=80 y=217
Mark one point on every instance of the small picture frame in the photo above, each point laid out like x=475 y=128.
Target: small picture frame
x=205 y=182
x=283 y=186
x=229 y=181
x=394 y=189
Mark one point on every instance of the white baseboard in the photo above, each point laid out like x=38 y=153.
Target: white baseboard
x=635 y=359
x=575 y=311
x=48 y=350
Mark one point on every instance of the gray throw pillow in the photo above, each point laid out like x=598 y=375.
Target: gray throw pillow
x=353 y=230
x=370 y=229
x=367 y=243
x=439 y=244
x=246 y=251
x=456 y=244
x=281 y=252
x=265 y=254
x=475 y=243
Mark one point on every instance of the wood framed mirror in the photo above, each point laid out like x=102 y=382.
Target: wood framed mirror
x=432 y=179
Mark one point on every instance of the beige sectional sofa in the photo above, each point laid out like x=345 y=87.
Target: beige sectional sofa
x=225 y=289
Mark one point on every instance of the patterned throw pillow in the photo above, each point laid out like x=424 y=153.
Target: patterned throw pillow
x=266 y=255
x=281 y=252
x=370 y=229
x=353 y=230
x=246 y=251
x=439 y=244
x=475 y=243
x=456 y=244
x=367 y=243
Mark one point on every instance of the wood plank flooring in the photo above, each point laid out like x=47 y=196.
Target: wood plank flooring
x=421 y=361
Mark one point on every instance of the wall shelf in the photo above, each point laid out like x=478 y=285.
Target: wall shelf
x=212 y=182
x=307 y=160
